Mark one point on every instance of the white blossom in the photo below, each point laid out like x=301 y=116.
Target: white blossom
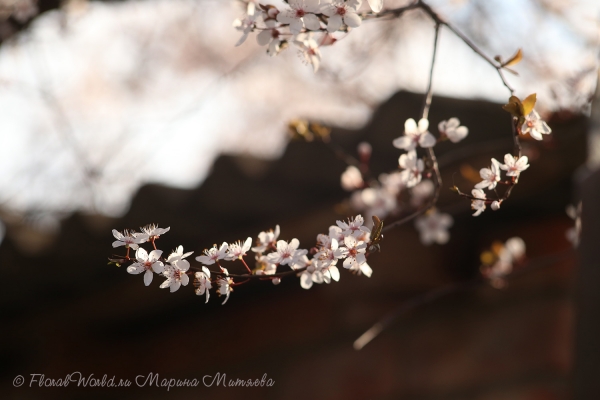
x=354 y=252
x=309 y=50
x=153 y=231
x=354 y=226
x=535 y=126
x=148 y=263
x=341 y=12
x=514 y=166
x=433 y=227
x=376 y=5
x=490 y=176
x=128 y=239
x=224 y=288
x=287 y=253
x=478 y=203
x=176 y=274
x=213 y=254
x=271 y=37
x=412 y=166
x=415 y=135
x=301 y=14
x=267 y=239
x=453 y=130
x=237 y=250
x=203 y=282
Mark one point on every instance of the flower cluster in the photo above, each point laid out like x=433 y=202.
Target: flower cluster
x=347 y=241
x=501 y=259
x=307 y=24
x=492 y=176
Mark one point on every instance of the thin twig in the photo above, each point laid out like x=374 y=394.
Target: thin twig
x=434 y=294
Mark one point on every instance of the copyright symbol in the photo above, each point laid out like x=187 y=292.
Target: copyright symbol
x=18 y=381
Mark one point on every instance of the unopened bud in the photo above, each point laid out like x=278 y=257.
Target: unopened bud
x=495 y=205
x=364 y=150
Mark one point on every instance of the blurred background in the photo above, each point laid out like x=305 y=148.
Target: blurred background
x=116 y=114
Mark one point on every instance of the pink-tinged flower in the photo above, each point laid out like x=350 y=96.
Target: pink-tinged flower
x=478 y=203
x=287 y=253
x=203 y=283
x=354 y=226
x=328 y=256
x=309 y=50
x=238 y=250
x=341 y=12
x=354 y=252
x=415 y=135
x=266 y=239
x=535 y=126
x=453 y=130
x=490 y=176
x=433 y=227
x=271 y=37
x=213 y=254
x=128 y=239
x=352 y=179
x=154 y=232
x=412 y=166
x=148 y=263
x=176 y=274
x=514 y=166
x=301 y=14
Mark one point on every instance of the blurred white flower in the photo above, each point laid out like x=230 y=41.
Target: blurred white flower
x=351 y=179
x=433 y=227
x=267 y=239
x=412 y=168
x=415 y=135
x=453 y=130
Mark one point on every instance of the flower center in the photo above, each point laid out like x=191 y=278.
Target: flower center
x=341 y=10
x=300 y=13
